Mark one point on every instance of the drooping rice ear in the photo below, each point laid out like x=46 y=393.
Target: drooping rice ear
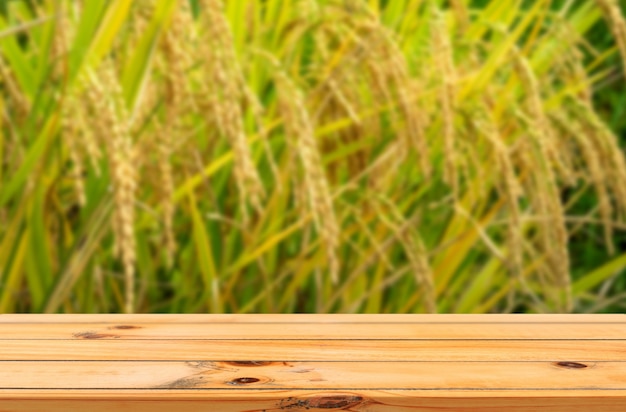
x=298 y=126
x=418 y=260
x=540 y=127
x=107 y=101
x=178 y=101
x=394 y=87
x=509 y=186
x=225 y=74
x=609 y=152
x=600 y=179
x=71 y=136
x=166 y=188
x=543 y=191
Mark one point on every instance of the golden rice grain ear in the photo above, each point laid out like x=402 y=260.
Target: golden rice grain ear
x=78 y=137
x=16 y=99
x=418 y=259
x=554 y=239
x=331 y=83
x=108 y=102
x=392 y=84
x=414 y=122
x=613 y=14
x=341 y=98
x=178 y=101
x=576 y=62
x=298 y=126
x=179 y=59
x=163 y=138
x=509 y=186
x=141 y=13
x=409 y=238
x=166 y=189
x=70 y=135
x=225 y=73
x=544 y=194
x=609 y=152
x=59 y=45
x=442 y=54
x=335 y=98
x=540 y=127
x=597 y=169
x=569 y=63
x=88 y=140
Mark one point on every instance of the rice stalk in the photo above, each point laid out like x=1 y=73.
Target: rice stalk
x=575 y=60
x=166 y=191
x=71 y=136
x=442 y=52
x=87 y=139
x=298 y=126
x=546 y=195
x=391 y=82
x=609 y=151
x=227 y=94
x=331 y=83
x=177 y=102
x=540 y=127
x=599 y=177
x=418 y=258
x=416 y=253
x=107 y=101
x=510 y=187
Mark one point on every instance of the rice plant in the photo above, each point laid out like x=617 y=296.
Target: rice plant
x=310 y=155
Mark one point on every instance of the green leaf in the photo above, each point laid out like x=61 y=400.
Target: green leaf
x=136 y=71
x=205 y=256
x=591 y=280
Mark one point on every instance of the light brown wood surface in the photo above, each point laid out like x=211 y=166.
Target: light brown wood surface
x=263 y=363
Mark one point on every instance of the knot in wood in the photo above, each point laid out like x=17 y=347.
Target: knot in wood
x=249 y=363
x=243 y=381
x=570 y=365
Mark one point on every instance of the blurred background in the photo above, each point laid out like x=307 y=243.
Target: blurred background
x=354 y=156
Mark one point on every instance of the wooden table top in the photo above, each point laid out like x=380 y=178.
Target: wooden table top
x=263 y=363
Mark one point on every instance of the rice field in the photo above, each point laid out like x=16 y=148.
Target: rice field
x=306 y=156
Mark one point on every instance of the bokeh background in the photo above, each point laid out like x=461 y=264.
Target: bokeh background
x=398 y=156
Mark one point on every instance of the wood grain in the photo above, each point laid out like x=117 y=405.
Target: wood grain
x=123 y=375
x=325 y=327
x=258 y=363
x=314 y=350
x=296 y=401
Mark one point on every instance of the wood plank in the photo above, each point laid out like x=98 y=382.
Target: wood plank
x=297 y=401
x=126 y=328
x=335 y=376
x=312 y=318
x=314 y=350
